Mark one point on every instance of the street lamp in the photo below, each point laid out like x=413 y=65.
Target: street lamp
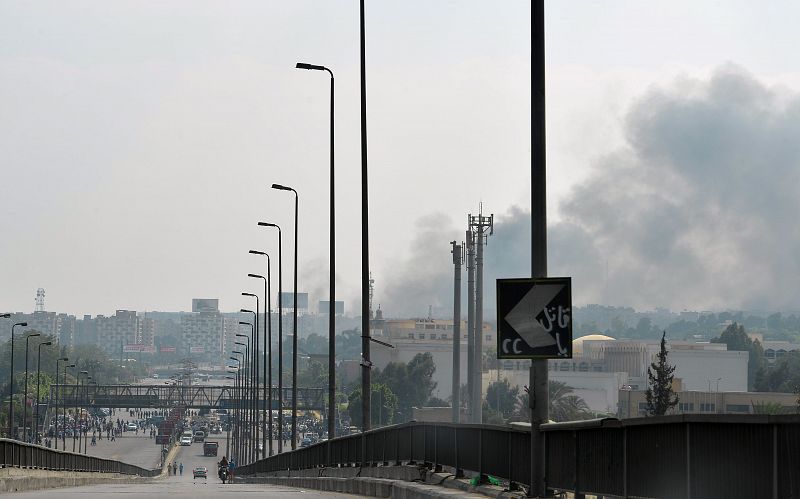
x=294 y=318
x=228 y=437
x=75 y=424
x=38 y=373
x=238 y=433
x=86 y=390
x=280 y=337
x=332 y=278
x=25 y=434
x=254 y=362
x=54 y=394
x=247 y=361
x=86 y=405
x=64 y=407
x=11 y=397
x=267 y=349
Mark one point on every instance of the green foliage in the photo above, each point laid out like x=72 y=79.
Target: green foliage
x=736 y=338
x=767 y=408
x=783 y=376
x=315 y=375
x=501 y=398
x=383 y=406
x=437 y=402
x=412 y=383
x=564 y=405
x=660 y=396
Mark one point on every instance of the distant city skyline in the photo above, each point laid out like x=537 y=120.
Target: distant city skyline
x=140 y=141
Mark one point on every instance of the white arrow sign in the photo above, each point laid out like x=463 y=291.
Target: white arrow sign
x=523 y=316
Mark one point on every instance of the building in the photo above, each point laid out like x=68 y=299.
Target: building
x=414 y=336
x=205 y=333
x=117 y=331
x=632 y=403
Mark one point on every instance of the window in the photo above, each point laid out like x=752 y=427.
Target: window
x=642 y=406
x=583 y=367
x=564 y=366
x=411 y=336
x=686 y=406
x=742 y=408
x=708 y=407
x=430 y=326
x=488 y=337
x=422 y=336
x=443 y=336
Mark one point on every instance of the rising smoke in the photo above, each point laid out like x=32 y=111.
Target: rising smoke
x=697 y=210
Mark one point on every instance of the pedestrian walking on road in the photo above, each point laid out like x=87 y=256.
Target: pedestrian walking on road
x=181 y=468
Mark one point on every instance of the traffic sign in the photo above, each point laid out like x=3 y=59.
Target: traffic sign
x=534 y=318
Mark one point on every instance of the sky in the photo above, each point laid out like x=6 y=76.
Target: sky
x=138 y=141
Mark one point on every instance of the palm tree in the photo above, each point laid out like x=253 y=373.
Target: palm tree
x=563 y=405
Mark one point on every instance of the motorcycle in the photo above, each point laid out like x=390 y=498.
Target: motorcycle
x=223 y=473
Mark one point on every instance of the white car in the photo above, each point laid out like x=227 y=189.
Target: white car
x=133 y=427
x=186 y=440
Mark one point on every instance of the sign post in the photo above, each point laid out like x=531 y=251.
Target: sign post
x=534 y=318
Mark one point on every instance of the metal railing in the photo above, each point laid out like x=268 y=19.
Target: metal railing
x=502 y=451
x=680 y=457
x=18 y=454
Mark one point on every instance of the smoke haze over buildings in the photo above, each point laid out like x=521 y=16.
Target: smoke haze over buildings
x=696 y=211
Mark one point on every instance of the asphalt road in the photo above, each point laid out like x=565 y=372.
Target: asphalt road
x=182 y=486
x=129 y=448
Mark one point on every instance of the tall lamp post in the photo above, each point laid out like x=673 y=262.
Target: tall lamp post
x=38 y=373
x=249 y=416
x=85 y=405
x=25 y=433
x=11 y=396
x=75 y=423
x=254 y=364
x=88 y=404
x=332 y=278
x=54 y=394
x=267 y=350
x=242 y=387
x=64 y=407
x=280 y=337
x=294 y=318
x=228 y=437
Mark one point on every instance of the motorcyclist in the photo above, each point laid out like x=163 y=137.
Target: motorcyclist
x=222 y=469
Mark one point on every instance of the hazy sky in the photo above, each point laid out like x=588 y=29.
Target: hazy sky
x=138 y=141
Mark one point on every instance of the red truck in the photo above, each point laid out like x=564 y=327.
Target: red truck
x=210 y=448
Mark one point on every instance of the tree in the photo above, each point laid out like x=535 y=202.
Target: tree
x=660 y=396
x=502 y=398
x=412 y=383
x=383 y=406
x=735 y=337
x=564 y=406
x=315 y=375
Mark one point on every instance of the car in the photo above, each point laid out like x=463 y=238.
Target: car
x=200 y=471
x=133 y=427
x=199 y=436
x=186 y=440
x=155 y=376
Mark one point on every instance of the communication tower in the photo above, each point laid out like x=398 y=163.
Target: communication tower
x=40 y=300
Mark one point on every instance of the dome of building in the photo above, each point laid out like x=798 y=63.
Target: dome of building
x=577 y=343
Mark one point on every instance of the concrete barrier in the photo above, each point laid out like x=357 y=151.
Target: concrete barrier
x=399 y=482
x=20 y=480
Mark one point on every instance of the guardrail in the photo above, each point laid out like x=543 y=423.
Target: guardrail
x=668 y=457
x=502 y=451
x=22 y=455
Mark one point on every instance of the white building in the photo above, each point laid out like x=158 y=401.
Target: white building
x=413 y=336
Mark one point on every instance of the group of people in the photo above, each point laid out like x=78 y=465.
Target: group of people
x=174 y=468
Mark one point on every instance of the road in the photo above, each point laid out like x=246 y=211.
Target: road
x=129 y=448
x=182 y=486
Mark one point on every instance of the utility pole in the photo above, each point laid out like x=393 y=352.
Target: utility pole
x=366 y=364
x=456 y=397
x=537 y=384
x=479 y=225
x=470 y=323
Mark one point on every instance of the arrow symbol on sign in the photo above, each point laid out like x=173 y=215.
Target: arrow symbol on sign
x=523 y=316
